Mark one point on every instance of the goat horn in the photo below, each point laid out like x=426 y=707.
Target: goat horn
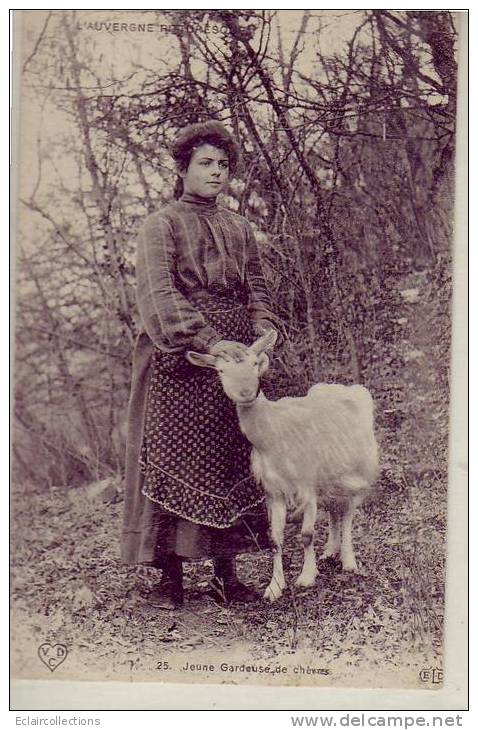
x=265 y=342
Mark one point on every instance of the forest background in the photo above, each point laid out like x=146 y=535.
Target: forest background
x=347 y=175
x=347 y=123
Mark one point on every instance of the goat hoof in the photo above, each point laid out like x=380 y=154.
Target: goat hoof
x=357 y=571
x=328 y=555
x=272 y=593
x=306 y=581
x=350 y=567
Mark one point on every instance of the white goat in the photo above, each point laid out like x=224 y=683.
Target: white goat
x=317 y=448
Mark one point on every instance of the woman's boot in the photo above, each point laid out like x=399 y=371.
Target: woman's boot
x=226 y=588
x=169 y=593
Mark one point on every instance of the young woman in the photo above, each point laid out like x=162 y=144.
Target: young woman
x=189 y=489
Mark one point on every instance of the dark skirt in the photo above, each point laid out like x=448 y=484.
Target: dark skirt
x=194 y=461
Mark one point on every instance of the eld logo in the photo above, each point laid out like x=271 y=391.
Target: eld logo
x=433 y=676
x=52 y=656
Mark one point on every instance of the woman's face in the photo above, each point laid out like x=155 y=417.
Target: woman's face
x=208 y=172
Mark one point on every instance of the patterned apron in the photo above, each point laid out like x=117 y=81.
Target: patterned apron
x=195 y=460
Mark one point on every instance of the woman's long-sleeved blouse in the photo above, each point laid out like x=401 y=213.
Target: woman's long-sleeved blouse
x=188 y=247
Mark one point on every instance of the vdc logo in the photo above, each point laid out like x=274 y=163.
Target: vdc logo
x=52 y=655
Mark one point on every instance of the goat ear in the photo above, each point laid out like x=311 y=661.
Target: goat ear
x=264 y=363
x=201 y=359
x=266 y=342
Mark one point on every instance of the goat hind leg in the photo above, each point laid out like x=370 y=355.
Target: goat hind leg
x=347 y=554
x=332 y=547
x=277 y=513
x=309 y=569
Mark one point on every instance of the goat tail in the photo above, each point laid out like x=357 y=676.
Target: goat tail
x=364 y=400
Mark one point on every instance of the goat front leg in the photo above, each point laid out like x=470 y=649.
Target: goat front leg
x=347 y=554
x=277 y=515
x=309 y=569
x=332 y=547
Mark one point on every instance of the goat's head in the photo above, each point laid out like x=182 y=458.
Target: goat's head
x=239 y=375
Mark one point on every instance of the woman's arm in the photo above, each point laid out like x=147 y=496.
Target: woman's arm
x=167 y=315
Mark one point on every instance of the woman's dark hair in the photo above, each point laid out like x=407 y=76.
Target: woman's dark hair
x=195 y=135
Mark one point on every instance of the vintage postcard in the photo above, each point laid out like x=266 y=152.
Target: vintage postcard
x=214 y=211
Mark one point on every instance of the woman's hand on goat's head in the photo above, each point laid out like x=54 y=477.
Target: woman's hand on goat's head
x=225 y=350
x=228 y=350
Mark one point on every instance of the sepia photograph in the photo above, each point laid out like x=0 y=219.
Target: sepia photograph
x=234 y=262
